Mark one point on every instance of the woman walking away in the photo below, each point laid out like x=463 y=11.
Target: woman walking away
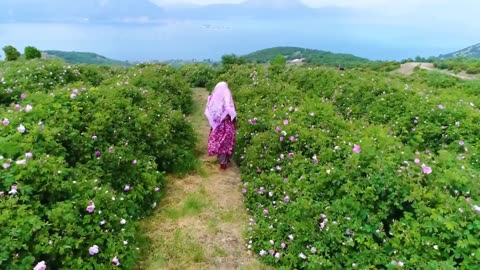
x=221 y=115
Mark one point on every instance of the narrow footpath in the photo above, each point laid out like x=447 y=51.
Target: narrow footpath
x=201 y=220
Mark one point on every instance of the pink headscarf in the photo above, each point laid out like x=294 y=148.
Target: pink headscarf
x=219 y=105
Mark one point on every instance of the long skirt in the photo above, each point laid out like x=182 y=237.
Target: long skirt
x=221 y=141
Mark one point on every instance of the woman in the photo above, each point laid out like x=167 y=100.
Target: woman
x=221 y=115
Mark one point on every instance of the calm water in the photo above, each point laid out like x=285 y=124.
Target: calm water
x=211 y=39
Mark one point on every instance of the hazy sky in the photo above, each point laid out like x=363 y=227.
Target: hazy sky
x=173 y=29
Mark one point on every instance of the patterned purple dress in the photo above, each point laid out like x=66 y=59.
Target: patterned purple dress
x=221 y=115
x=221 y=141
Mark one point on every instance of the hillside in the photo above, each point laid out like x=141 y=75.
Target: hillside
x=180 y=62
x=469 y=52
x=83 y=58
x=310 y=56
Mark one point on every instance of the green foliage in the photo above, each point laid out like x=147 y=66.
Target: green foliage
x=382 y=66
x=163 y=78
x=69 y=144
x=85 y=58
x=320 y=202
x=198 y=75
x=279 y=60
x=437 y=79
x=230 y=60
x=277 y=65
x=180 y=63
x=315 y=57
x=43 y=76
x=11 y=53
x=32 y=53
x=471 y=66
x=290 y=53
x=334 y=59
x=424 y=60
x=237 y=75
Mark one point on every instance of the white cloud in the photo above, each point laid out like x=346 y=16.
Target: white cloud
x=310 y=3
x=402 y=11
x=379 y=11
x=387 y=5
x=168 y=3
x=141 y=20
x=345 y=3
x=103 y=3
x=384 y=5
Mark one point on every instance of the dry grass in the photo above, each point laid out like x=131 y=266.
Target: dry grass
x=409 y=68
x=201 y=220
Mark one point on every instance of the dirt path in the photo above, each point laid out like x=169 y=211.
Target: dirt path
x=201 y=220
x=408 y=69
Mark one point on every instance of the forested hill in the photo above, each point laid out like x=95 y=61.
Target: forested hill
x=308 y=55
x=83 y=58
x=469 y=52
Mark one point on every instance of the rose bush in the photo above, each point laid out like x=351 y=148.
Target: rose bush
x=162 y=78
x=198 y=75
x=358 y=169
x=83 y=158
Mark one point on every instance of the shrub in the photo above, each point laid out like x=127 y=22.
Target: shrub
x=75 y=146
x=277 y=65
x=11 y=53
x=238 y=75
x=355 y=169
x=32 y=53
x=162 y=78
x=198 y=75
x=471 y=66
x=45 y=75
x=230 y=60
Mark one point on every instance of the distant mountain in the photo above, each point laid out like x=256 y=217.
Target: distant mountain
x=309 y=56
x=182 y=62
x=265 y=9
x=469 y=52
x=83 y=58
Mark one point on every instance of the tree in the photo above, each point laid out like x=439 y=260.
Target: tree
x=279 y=60
x=11 y=53
x=32 y=53
x=277 y=65
x=232 y=59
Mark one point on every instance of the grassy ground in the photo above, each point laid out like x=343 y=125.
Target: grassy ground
x=200 y=222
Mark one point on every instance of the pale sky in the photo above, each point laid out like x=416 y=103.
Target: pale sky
x=166 y=29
